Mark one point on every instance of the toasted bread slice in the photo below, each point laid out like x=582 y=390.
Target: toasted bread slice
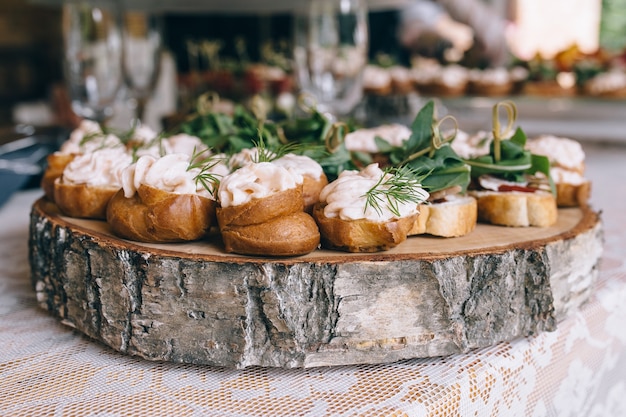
x=573 y=195
x=517 y=209
x=452 y=218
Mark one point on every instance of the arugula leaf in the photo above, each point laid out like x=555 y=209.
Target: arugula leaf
x=444 y=170
x=421 y=128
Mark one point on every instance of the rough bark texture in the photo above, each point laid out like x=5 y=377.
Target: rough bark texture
x=239 y=312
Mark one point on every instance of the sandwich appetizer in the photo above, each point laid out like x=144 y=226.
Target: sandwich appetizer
x=261 y=210
x=369 y=210
x=89 y=181
x=567 y=168
x=513 y=186
x=166 y=199
x=449 y=211
x=86 y=138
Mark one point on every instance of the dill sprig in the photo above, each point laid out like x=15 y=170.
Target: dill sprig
x=263 y=154
x=92 y=136
x=209 y=180
x=397 y=185
x=268 y=155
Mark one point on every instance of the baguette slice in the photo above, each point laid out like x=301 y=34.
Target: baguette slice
x=156 y=216
x=289 y=235
x=452 y=218
x=573 y=195
x=517 y=209
x=361 y=235
x=81 y=200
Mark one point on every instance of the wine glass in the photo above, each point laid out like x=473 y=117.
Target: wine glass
x=142 y=56
x=92 y=57
x=330 y=53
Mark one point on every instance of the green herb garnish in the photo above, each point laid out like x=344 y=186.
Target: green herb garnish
x=396 y=186
x=209 y=180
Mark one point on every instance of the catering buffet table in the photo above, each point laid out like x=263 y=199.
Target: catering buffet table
x=47 y=369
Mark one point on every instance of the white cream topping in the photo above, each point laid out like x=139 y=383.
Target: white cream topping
x=376 y=77
x=300 y=165
x=220 y=168
x=497 y=76
x=469 y=146
x=400 y=74
x=254 y=181
x=156 y=148
x=86 y=127
x=607 y=82
x=181 y=143
x=490 y=182
x=187 y=144
x=453 y=75
x=169 y=173
x=518 y=73
x=425 y=70
x=346 y=199
x=101 y=168
x=143 y=134
x=565 y=176
x=447 y=75
x=363 y=140
x=565 y=152
x=88 y=137
x=245 y=157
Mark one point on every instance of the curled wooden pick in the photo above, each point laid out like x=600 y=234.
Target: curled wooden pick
x=497 y=131
x=335 y=136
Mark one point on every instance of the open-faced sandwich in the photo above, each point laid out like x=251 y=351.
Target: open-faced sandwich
x=369 y=210
x=567 y=168
x=448 y=211
x=513 y=186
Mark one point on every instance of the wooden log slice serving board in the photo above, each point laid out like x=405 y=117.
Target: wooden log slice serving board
x=193 y=303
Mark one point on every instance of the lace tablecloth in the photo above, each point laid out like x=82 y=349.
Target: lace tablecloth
x=47 y=369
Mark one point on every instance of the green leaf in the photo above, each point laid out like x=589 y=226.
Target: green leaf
x=541 y=163
x=445 y=169
x=421 y=129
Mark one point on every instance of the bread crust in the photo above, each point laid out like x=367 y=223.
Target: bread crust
x=453 y=218
x=573 y=195
x=288 y=235
x=516 y=209
x=361 y=235
x=156 y=216
x=56 y=163
x=81 y=200
x=311 y=189
x=261 y=210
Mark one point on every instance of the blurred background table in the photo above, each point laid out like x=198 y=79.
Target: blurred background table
x=47 y=369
